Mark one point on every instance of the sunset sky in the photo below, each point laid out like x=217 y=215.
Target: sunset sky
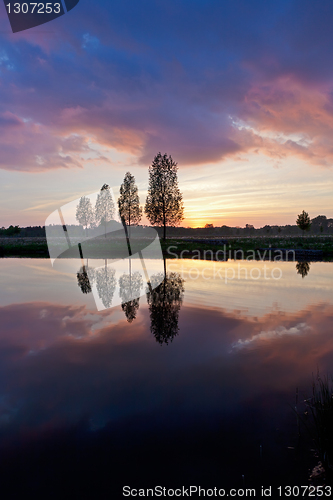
x=240 y=93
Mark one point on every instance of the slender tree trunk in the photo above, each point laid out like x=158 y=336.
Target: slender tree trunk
x=164 y=223
x=127 y=237
x=81 y=255
x=164 y=283
x=130 y=276
x=164 y=218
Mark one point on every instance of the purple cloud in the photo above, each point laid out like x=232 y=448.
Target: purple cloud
x=169 y=77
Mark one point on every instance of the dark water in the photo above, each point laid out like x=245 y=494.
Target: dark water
x=198 y=389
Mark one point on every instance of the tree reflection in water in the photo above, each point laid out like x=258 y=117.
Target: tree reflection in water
x=83 y=280
x=164 y=303
x=129 y=290
x=303 y=268
x=105 y=284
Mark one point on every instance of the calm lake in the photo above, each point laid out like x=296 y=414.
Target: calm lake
x=193 y=385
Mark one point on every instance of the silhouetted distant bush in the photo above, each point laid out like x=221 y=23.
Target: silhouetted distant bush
x=10 y=231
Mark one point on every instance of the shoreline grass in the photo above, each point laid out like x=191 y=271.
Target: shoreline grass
x=313 y=248
x=318 y=421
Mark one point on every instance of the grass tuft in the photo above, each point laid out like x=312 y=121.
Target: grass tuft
x=320 y=407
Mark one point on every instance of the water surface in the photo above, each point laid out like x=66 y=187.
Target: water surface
x=193 y=384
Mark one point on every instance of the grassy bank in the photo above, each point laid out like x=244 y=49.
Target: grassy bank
x=311 y=248
x=35 y=247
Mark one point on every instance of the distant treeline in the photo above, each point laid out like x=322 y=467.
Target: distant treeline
x=319 y=225
x=10 y=231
